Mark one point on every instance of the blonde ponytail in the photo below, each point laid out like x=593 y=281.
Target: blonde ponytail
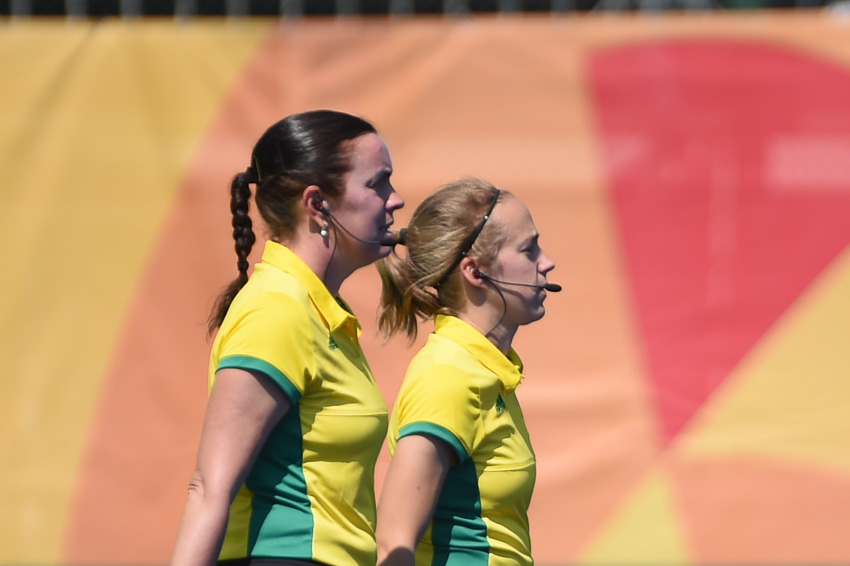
x=424 y=282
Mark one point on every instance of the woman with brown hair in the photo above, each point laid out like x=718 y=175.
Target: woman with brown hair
x=295 y=420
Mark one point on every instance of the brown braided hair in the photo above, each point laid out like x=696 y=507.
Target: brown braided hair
x=310 y=148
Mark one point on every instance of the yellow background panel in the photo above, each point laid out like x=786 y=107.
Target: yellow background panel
x=784 y=401
x=645 y=530
x=88 y=174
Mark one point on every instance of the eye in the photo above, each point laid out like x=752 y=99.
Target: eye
x=380 y=182
x=532 y=250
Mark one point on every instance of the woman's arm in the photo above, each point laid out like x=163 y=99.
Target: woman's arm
x=243 y=407
x=409 y=496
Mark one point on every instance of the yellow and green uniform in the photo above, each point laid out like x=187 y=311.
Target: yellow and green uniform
x=310 y=493
x=461 y=389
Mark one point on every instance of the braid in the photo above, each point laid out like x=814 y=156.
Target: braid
x=310 y=148
x=243 y=235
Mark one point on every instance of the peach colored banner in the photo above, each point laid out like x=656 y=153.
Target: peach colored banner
x=686 y=393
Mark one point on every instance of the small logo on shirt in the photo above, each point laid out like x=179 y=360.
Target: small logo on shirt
x=332 y=343
x=500 y=405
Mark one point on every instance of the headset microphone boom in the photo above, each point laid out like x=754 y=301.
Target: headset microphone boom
x=400 y=237
x=551 y=287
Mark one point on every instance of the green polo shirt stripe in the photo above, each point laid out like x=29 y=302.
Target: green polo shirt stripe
x=250 y=363
x=285 y=441
x=437 y=431
x=459 y=534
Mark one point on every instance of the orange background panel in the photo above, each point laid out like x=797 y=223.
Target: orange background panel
x=119 y=189
x=740 y=510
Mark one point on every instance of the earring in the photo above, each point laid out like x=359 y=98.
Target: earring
x=324 y=231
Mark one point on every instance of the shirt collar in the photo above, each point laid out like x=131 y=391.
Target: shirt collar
x=507 y=368
x=334 y=310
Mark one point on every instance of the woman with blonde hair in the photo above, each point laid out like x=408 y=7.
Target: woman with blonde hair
x=462 y=472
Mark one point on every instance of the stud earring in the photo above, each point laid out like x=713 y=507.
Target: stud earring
x=324 y=231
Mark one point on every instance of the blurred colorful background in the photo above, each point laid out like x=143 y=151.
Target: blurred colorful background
x=688 y=393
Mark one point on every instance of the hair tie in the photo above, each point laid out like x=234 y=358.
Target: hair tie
x=251 y=175
x=242 y=265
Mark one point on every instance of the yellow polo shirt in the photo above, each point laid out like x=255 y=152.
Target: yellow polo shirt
x=310 y=493
x=461 y=389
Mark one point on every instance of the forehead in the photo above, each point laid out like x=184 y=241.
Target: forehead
x=515 y=217
x=370 y=152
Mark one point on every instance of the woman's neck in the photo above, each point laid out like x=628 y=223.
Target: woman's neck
x=488 y=324
x=321 y=260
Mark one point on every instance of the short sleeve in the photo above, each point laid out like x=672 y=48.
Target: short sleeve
x=271 y=334
x=443 y=402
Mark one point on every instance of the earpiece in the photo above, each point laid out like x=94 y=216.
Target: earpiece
x=388 y=240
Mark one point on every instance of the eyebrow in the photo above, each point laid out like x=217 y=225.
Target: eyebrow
x=531 y=240
x=381 y=175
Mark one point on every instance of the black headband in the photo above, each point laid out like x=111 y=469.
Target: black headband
x=470 y=240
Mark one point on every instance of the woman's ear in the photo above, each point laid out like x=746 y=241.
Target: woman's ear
x=314 y=205
x=471 y=274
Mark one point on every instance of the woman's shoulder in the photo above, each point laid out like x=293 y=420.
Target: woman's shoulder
x=268 y=310
x=443 y=367
x=274 y=290
x=442 y=353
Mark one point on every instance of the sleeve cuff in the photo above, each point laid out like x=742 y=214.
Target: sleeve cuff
x=249 y=363
x=439 y=432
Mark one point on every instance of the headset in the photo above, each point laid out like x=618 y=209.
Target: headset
x=551 y=287
x=389 y=240
x=400 y=237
